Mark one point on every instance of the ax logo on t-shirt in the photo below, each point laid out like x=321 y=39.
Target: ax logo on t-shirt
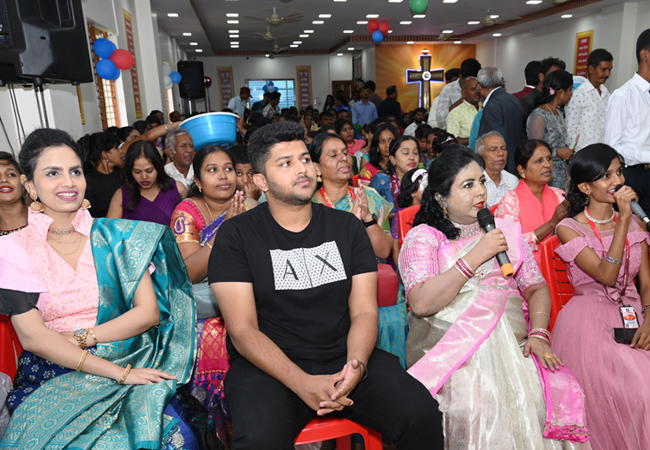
x=306 y=268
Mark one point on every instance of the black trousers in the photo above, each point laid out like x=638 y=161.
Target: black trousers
x=268 y=415
x=638 y=178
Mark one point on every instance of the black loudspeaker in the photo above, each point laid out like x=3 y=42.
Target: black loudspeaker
x=191 y=85
x=43 y=39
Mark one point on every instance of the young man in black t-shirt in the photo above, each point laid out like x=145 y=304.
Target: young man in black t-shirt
x=296 y=283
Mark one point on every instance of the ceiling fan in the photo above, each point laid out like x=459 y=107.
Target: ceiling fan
x=268 y=36
x=447 y=37
x=275 y=19
x=275 y=51
x=489 y=20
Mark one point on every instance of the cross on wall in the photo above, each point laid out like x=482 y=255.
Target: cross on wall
x=425 y=76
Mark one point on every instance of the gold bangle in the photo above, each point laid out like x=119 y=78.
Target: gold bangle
x=81 y=360
x=209 y=245
x=92 y=333
x=125 y=374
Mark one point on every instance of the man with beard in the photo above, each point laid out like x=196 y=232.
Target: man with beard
x=459 y=120
x=296 y=283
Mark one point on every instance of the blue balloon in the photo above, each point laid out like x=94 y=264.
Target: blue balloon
x=271 y=83
x=176 y=77
x=107 y=70
x=103 y=48
x=265 y=88
x=377 y=37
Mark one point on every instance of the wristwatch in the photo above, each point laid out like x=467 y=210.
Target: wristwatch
x=370 y=223
x=80 y=335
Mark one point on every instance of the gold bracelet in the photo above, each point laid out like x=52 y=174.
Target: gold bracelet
x=209 y=245
x=81 y=360
x=92 y=333
x=125 y=374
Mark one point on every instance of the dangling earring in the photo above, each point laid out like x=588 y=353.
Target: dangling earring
x=36 y=206
x=200 y=190
x=85 y=204
x=318 y=178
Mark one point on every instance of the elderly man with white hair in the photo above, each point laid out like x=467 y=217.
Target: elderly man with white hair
x=180 y=149
x=502 y=112
x=492 y=149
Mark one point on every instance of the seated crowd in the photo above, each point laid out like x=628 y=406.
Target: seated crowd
x=250 y=292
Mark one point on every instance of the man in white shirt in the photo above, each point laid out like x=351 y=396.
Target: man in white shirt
x=180 y=149
x=498 y=182
x=451 y=93
x=418 y=119
x=627 y=129
x=587 y=110
x=238 y=104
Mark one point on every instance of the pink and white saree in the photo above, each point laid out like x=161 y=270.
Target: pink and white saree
x=470 y=354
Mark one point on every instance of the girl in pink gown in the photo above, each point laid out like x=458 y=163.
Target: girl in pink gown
x=613 y=375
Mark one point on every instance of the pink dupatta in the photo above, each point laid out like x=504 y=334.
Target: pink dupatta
x=532 y=213
x=565 y=414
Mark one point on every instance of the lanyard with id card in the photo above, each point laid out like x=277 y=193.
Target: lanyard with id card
x=629 y=316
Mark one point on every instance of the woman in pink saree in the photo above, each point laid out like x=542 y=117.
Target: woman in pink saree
x=478 y=340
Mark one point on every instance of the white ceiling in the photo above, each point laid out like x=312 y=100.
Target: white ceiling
x=207 y=20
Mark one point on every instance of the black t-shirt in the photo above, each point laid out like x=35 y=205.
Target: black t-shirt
x=100 y=189
x=302 y=281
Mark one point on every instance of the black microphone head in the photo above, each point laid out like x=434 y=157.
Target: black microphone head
x=485 y=218
x=618 y=187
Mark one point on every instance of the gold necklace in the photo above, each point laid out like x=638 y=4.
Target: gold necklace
x=78 y=241
x=330 y=204
x=209 y=210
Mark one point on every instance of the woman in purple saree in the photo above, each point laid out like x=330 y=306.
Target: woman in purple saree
x=478 y=340
x=147 y=192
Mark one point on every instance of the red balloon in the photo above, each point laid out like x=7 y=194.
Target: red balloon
x=123 y=59
x=373 y=25
x=384 y=27
x=207 y=81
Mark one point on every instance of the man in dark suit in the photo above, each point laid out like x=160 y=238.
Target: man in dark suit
x=502 y=112
x=390 y=106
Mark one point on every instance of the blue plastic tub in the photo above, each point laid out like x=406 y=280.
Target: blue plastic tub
x=218 y=128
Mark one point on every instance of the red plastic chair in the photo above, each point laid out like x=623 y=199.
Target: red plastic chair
x=405 y=219
x=324 y=428
x=10 y=348
x=554 y=272
x=493 y=208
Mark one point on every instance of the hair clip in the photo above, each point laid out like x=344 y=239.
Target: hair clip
x=552 y=91
x=417 y=173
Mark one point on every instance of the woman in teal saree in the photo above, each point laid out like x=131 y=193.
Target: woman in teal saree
x=117 y=283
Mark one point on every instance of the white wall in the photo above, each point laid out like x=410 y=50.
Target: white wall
x=368 y=63
x=324 y=70
x=616 y=29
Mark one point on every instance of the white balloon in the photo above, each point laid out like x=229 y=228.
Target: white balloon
x=168 y=82
x=166 y=69
x=270 y=89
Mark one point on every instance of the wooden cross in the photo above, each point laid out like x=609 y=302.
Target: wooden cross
x=425 y=76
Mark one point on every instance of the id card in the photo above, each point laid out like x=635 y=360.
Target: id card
x=628 y=314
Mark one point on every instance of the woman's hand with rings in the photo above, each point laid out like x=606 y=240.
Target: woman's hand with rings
x=542 y=350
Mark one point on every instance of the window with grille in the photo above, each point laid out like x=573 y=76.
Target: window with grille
x=284 y=87
x=105 y=89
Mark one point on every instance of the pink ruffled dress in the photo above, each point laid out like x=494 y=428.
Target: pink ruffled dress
x=613 y=376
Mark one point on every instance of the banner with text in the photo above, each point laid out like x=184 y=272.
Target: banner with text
x=128 y=25
x=583 y=48
x=303 y=76
x=224 y=75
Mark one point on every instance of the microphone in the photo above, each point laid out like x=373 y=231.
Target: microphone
x=486 y=220
x=636 y=208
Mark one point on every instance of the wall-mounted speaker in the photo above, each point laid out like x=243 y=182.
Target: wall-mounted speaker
x=44 y=39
